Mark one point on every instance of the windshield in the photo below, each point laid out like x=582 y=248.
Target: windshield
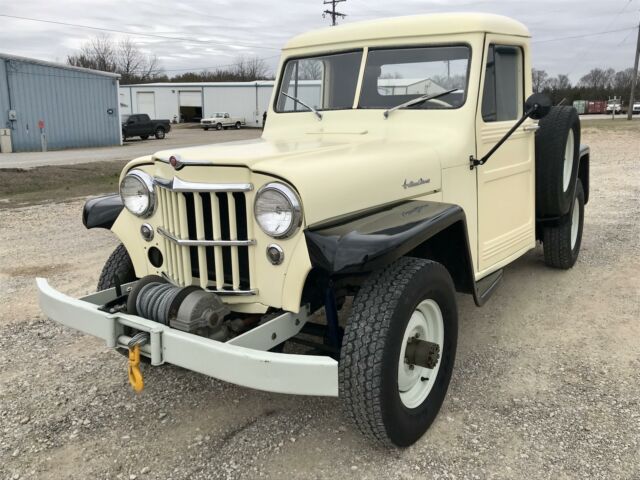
x=395 y=76
x=326 y=82
x=392 y=77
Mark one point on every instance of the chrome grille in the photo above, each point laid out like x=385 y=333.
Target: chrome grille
x=207 y=235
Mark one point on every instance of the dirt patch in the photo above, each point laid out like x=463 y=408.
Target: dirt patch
x=20 y=187
x=545 y=386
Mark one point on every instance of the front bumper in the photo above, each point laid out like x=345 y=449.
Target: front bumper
x=248 y=367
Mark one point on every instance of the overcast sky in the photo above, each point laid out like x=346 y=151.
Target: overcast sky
x=214 y=32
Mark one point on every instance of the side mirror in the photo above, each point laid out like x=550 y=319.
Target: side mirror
x=539 y=104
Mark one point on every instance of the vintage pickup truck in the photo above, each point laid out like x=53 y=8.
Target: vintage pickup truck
x=324 y=257
x=222 y=120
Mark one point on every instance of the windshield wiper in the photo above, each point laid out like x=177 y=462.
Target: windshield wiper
x=420 y=99
x=297 y=100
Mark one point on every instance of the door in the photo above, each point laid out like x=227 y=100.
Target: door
x=506 y=202
x=146 y=103
x=190 y=105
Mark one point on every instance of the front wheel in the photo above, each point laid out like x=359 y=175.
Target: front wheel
x=398 y=351
x=219 y=126
x=160 y=133
x=118 y=264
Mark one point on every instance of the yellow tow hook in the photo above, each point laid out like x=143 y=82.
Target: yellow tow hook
x=135 y=375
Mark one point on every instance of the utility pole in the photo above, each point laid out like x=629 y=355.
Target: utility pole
x=333 y=12
x=634 y=79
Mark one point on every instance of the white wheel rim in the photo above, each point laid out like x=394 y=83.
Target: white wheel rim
x=575 y=223
x=568 y=161
x=415 y=384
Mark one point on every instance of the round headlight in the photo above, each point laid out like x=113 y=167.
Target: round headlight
x=136 y=191
x=277 y=210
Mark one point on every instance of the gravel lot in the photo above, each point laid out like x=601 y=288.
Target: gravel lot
x=546 y=384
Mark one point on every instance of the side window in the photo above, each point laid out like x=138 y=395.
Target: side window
x=503 y=85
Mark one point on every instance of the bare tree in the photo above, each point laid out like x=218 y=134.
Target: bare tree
x=559 y=83
x=539 y=79
x=102 y=53
x=248 y=69
x=598 y=78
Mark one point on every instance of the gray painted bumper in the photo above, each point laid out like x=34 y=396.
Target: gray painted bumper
x=273 y=372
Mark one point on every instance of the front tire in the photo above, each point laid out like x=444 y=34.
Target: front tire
x=561 y=243
x=219 y=126
x=390 y=402
x=118 y=264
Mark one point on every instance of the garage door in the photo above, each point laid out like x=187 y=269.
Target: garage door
x=191 y=98
x=146 y=103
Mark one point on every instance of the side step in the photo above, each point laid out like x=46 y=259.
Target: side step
x=485 y=287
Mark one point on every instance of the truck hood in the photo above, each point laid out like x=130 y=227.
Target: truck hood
x=334 y=174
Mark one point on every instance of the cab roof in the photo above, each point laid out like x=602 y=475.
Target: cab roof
x=410 y=26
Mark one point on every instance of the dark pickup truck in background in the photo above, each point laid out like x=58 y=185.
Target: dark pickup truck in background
x=140 y=125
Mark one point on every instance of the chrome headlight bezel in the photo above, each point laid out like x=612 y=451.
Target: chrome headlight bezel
x=292 y=198
x=147 y=183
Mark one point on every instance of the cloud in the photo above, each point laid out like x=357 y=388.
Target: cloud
x=255 y=27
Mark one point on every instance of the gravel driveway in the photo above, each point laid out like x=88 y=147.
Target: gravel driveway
x=546 y=384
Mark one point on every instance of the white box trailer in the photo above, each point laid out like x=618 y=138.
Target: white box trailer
x=189 y=102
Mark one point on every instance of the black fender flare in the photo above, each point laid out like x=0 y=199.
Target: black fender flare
x=373 y=239
x=101 y=212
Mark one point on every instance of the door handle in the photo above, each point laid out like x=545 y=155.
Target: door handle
x=531 y=128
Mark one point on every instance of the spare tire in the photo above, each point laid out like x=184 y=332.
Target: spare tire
x=557 y=152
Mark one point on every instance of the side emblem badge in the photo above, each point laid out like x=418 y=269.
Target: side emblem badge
x=175 y=162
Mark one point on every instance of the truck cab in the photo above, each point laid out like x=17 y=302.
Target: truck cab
x=404 y=160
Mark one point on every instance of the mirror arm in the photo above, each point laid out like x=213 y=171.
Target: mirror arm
x=474 y=162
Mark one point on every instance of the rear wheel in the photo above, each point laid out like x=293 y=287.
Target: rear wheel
x=238 y=125
x=389 y=390
x=561 y=243
x=160 y=133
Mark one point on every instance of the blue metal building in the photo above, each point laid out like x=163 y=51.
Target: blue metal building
x=57 y=105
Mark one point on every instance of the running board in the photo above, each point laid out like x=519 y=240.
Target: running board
x=485 y=287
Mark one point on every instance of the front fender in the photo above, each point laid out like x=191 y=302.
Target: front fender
x=101 y=212
x=373 y=240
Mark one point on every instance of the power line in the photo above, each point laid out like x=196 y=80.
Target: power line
x=546 y=40
x=333 y=13
x=139 y=34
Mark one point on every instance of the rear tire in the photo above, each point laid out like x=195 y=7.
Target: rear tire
x=119 y=263
x=390 y=402
x=561 y=243
x=238 y=125
x=160 y=133
x=557 y=152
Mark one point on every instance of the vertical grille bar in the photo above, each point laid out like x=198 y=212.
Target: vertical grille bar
x=184 y=233
x=202 y=252
x=249 y=217
x=233 y=234
x=217 y=234
x=176 y=229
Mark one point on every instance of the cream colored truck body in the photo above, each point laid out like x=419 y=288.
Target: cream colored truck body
x=354 y=159
x=223 y=119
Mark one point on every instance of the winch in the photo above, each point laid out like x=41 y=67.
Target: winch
x=190 y=309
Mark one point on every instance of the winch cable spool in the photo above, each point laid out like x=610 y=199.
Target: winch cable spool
x=185 y=308
x=154 y=301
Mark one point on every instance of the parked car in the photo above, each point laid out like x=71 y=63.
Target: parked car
x=377 y=204
x=140 y=125
x=636 y=108
x=222 y=120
